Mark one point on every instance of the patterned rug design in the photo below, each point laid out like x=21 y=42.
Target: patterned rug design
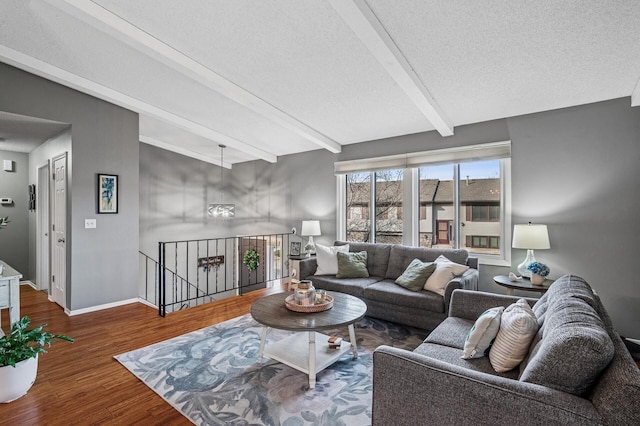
x=213 y=377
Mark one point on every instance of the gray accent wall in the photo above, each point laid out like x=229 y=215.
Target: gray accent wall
x=102 y=263
x=574 y=169
x=14 y=238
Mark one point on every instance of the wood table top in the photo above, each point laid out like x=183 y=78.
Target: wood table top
x=270 y=311
x=523 y=284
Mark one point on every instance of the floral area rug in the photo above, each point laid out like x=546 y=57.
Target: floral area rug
x=213 y=377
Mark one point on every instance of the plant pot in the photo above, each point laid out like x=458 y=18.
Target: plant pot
x=16 y=381
x=537 y=279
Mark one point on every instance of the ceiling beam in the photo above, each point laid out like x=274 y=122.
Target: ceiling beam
x=111 y=24
x=364 y=23
x=58 y=75
x=183 y=151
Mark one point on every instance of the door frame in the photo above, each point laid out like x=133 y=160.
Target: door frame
x=67 y=262
x=43 y=226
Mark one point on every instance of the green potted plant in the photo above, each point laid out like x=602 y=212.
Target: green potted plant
x=4 y=221
x=19 y=352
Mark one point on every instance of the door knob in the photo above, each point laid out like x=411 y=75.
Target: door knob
x=61 y=240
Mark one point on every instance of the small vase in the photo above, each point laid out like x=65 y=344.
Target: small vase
x=537 y=279
x=305 y=293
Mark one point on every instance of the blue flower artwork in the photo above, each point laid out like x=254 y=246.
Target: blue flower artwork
x=108 y=188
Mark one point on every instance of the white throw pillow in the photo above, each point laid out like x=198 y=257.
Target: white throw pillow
x=327 y=258
x=518 y=327
x=446 y=270
x=482 y=333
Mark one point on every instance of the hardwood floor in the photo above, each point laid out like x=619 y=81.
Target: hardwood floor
x=82 y=384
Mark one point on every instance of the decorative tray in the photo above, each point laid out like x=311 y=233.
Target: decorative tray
x=290 y=303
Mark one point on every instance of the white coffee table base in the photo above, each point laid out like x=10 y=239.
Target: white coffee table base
x=300 y=351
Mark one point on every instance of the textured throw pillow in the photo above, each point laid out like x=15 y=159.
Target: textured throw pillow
x=446 y=270
x=518 y=327
x=416 y=274
x=352 y=265
x=327 y=258
x=482 y=333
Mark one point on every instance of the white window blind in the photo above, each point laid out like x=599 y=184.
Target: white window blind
x=486 y=151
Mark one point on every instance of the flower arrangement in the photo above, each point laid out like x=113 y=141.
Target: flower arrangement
x=251 y=259
x=4 y=221
x=538 y=268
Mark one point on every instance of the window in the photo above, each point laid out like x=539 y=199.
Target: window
x=456 y=200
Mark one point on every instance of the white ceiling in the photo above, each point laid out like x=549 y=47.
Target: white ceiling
x=270 y=78
x=23 y=134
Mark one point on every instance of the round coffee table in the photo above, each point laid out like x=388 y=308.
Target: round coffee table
x=299 y=350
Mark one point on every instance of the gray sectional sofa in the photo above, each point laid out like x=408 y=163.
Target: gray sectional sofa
x=387 y=300
x=577 y=371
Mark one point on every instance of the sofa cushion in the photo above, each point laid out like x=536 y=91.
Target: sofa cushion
x=566 y=286
x=572 y=348
x=416 y=274
x=352 y=286
x=377 y=255
x=352 y=265
x=446 y=270
x=451 y=332
x=401 y=256
x=327 y=258
x=387 y=291
x=452 y=356
x=481 y=335
x=518 y=327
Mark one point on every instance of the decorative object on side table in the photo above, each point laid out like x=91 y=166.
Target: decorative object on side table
x=539 y=271
x=530 y=237
x=310 y=228
x=19 y=357
x=294 y=248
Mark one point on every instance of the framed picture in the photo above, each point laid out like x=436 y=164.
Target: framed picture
x=294 y=249
x=107 y=193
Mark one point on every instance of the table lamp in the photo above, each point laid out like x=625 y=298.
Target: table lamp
x=310 y=228
x=529 y=237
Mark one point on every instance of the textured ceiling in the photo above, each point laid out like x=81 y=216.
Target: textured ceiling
x=23 y=134
x=271 y=78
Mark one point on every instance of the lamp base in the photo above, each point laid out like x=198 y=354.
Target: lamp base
x=310 y=248
x=522 y=268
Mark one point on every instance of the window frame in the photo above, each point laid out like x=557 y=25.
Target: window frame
x=411 y=208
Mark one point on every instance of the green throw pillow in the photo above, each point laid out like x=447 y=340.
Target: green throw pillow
x=352 y=265
x=416 y=274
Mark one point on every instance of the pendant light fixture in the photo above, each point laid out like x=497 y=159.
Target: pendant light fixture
x=221 y=210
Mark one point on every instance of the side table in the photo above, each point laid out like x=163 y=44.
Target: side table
x=523 y=284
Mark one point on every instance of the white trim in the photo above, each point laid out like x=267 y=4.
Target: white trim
x=635 y=95
x=100 y=307
x=146 y=302
x=365 y=24
x=636 y=341
x=182 y=151
x=479 y=152
x=114 y=26
x=29 y=283
x=341 y=221
x=58 y=75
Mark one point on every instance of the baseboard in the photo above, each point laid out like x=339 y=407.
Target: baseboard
x=100 y=307
x=636 y=341
x=29 y=283
x=146 y=302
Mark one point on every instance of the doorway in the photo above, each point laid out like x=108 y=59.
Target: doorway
x=43 y=229
x=59 y=231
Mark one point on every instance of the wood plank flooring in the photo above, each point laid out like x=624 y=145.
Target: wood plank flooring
x=81 y=383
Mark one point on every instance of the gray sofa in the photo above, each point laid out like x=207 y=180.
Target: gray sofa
x=387 y=300
x=577 y=372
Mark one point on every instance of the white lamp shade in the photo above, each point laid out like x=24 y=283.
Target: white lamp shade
x=534 y=237
x=310 y=228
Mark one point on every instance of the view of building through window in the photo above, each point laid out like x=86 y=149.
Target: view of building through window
x=477 y=201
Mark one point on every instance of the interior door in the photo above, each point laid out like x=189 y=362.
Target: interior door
x=59 y=232
x=43 y=229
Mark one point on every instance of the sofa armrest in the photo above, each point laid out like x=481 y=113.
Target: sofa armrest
x=471 y=304
x=467 y=281
x=308 y=267
x=472 y=262
x=412 y=389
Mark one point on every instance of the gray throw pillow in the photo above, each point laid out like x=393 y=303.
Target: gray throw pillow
x=352 y=265
x=416 y=274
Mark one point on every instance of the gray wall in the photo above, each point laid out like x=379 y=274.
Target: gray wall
x=102 y=263
x=14 y=238
x=573 y=169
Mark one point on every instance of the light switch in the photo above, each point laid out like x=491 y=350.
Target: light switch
x=89 y=223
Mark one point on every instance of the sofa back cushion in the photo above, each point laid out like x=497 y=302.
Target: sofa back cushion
x=401 y=256
x=572 y=346
x=377 y=256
